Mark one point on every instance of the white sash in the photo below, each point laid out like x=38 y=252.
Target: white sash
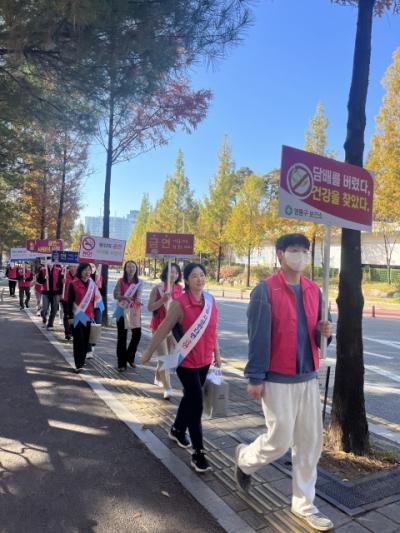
x=129 y=293
x=86 y=299
x=191 y=337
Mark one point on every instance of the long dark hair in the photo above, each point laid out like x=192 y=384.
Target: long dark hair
x=188 y=270
x=81 y=268
x=164 y=273
x=135 y=276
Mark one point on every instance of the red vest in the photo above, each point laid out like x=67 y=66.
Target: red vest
x=160 y=313
x=124 y=287
x=202 y=353
x=68 y=279
x=55 y=279
x=11 y=273
x=284 y=322
x=80 y=290
x=22 y=283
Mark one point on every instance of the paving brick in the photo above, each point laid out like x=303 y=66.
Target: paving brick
x=378 y=523
x=235 y=503
x=283 y=485
x=353 y=527
x=392 y=511
x=255 y=520
x=219 y=488
x=270 y=473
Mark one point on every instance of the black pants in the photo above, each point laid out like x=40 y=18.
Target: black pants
x=11 y=287
x=24 y=291
x=67 y=325
x=50 y=301
x=191 y=407
x=81 y=335
x=126 y=355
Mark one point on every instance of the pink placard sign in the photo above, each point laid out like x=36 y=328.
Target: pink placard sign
x=318 y=189
x=169 y=245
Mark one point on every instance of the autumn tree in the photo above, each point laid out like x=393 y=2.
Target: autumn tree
x=349 y=427
x=176 y=210
x=245 y=228
x=215 y=211
x=75 y=238
x=315 y=142
x=384 y=161
x=136 y=245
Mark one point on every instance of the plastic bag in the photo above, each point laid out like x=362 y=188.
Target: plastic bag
x=216 y=394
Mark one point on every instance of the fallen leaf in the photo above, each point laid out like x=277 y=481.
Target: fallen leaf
x=165 y=493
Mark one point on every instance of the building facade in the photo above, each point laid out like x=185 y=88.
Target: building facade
x=120 y=227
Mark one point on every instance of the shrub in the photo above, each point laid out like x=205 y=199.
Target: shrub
x=230 y=271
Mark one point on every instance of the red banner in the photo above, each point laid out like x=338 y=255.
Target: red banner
x=44 y=246
x=169 y=245
x=319 y=189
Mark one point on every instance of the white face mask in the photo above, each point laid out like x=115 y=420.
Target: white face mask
x=297 y=261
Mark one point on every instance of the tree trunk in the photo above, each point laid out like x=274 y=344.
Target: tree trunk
x=313 y=240
x=43 y=208
x=248 y=268
x=107 y=194
x=349 y=427
x=62 y=192
x=219 y=262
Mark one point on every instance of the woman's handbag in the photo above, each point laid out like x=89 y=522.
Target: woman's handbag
x=130 y=318
x=95 y=333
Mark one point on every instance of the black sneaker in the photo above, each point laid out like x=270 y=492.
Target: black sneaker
x=179 y=437
x=21 y=308
x=199 y=462
x=243 y=480
x=27 y=305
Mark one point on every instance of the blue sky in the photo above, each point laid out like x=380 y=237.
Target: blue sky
x=296 y=53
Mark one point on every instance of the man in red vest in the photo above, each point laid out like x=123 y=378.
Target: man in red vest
x=11 y=274
x=50 y=276
x=24 y=277
x=285 y=328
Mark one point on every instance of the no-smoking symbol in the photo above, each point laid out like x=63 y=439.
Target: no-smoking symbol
x=88 y=244
x=300 y=180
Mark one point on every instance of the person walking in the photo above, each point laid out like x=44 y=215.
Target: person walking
x=128 y=293
x=11 y=275
x=68 y=278
x=195 y=314
x=98 y=303
x=160 y=298
x=285 y=329
x=80 y=311
x=24 y=278
x=50 y=276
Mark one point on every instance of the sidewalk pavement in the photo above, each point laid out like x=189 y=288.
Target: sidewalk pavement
x=67 y=464
x=266 y=508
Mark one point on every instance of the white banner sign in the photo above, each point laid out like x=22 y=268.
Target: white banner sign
x=101 y=250
x=22 y=254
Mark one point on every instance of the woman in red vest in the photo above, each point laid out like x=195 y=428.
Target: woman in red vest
x=128 y=293
x=24 y=277
x=159 y=302
x=193 y=305
x=81 y=296
x=11 y=275
x=68 y=278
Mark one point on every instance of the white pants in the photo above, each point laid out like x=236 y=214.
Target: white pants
x=294 y=420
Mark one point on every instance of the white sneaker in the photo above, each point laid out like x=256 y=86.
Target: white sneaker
x=89 y=355
x=168 y=393
x=318 y=521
